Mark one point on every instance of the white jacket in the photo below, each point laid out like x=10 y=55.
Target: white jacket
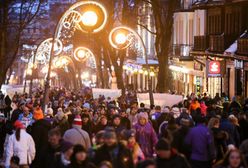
x=24 y=149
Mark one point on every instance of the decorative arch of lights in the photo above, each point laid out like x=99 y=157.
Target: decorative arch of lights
x=130 y=41
x=83 y=54
x=70 y=22
x=42 y=54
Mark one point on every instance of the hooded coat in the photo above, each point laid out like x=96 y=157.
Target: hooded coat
x=146 y=137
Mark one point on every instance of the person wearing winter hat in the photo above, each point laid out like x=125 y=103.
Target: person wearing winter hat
x=113 y=151
x=168 y=157
x=20 y=144
x=133 y=146
x=79 y=158
x=116 y=123
x=102 y=123
x=63 y=159
x=49 y=115
x=61 y=121
x=39 y=131
x=76 y=135
x=175 y=111
x=26 y=117
x=145 y=134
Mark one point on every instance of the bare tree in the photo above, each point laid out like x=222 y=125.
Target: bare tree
x=15 y=16
x=163 y=11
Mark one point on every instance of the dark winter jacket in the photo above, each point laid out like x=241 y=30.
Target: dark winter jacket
x=48 y=156
x=118 y=155
x=39 y=132
x=176 y=161
x=225 y=125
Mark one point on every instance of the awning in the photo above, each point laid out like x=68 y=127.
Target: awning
x=142 y=61
x=233 y=48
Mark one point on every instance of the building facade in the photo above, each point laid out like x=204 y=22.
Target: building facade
x=216 y=31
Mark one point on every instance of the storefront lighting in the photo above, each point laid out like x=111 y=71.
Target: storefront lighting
x=141 y=71
x=178 y=69
x=152 y=74
x=145 y=72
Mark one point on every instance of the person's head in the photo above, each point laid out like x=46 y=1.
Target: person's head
x=25 y=110
x=234 y=159
x=14 y=162
x=49 y=112
x=116 y=120
x=54 y=137
x=214 y=123
x=85 y=118
x=77 y=122
x=100 y=137
x=142 y=118
x=146 y=164
x=67 y=149
x=163 y=149
x=233 y=120
x=129 y=136
x=158 y=108
x=110 y=137
x=105 y=164
x=123 y=114
x=103 y=120
x=79 y=154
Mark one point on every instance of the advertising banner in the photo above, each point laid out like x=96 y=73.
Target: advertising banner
x=112 y=93
x=161 y=99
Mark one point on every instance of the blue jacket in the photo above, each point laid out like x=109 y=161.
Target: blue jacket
x=202 y=143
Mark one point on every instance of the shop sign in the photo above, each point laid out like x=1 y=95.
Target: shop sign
x=198 y=85
x=215 y=68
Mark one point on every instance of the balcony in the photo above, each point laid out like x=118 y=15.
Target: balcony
x=242 y=46
x=200 y=43
x=182 y=51
x=217 y=43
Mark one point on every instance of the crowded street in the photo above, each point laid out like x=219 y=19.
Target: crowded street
x=123 y=84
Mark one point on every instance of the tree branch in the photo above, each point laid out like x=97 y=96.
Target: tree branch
x=145 y=27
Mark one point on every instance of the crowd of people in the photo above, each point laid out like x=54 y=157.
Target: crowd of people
x=77 y=131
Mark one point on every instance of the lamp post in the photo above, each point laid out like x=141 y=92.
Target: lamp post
x=87 y=16
x=120 y=38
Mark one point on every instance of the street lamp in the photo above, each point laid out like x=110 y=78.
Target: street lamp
x=82 y=53
x=122 y=37
x=89 y=18
x=92 y=19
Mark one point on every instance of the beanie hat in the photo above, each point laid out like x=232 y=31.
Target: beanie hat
x=50 y=111
x=109 y=133
x=163 y=144
x=77 y=121
x=60 y=115
x=165 y=110
x=128 y=134
x=19 y=124
x=65 y=146
x=142 y=115
x=38 y=114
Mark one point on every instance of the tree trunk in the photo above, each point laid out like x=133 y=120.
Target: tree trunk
x=119 y=78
